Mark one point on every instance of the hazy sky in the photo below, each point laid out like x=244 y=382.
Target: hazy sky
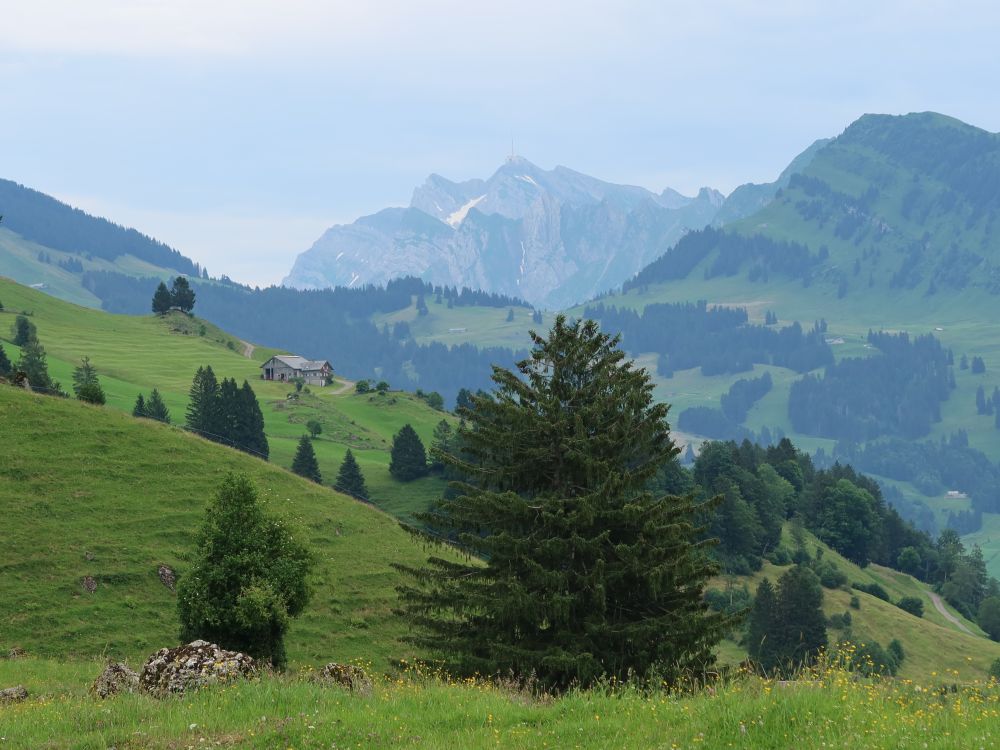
x=237 y=130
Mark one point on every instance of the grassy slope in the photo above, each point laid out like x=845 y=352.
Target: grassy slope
x=137 y=353
x=831 y=709
x=19 y=259
x=89 y=491
x=931 y=643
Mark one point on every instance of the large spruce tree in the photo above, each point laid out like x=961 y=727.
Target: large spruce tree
x=407 y=459
x=250 y=435
x=304 y=463
x=203 y=403
x=583 y=571
x=350 y=480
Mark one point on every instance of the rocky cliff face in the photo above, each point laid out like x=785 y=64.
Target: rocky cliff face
x=553 y=237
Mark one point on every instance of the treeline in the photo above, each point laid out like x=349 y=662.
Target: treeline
x=726 y=423
x=762 y=488
x=42 y=219
x=897 y=392
x=932 y=467
x=733 y=252
x=718 y=339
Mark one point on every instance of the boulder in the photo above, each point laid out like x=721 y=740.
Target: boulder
x=199 y=663
x=116 y=678
x=167 y=577
x=346 y=675
x=13 y=695
x=89 y=584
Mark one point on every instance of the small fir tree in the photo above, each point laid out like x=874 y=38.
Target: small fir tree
x=408 y=459
x=85 y=374
x=582 y=571
x=32 y=363
x=304 y=463
x=161 y=299
x=23 y=331
x=156 y=409
x=5 y=364
x=249 y=577
x=139 y=410
x=350 y=480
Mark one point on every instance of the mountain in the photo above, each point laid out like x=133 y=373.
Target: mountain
x=885 y=242
x=52 y=246
x=552 y=237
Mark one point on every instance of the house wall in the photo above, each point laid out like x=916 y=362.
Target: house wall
x=279 y=371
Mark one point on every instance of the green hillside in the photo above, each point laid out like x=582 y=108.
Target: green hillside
x=931 y=643
x=89 y=491
x=93 y=491
x=134 y=354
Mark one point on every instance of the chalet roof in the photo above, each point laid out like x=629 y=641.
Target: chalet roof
x=300 y=363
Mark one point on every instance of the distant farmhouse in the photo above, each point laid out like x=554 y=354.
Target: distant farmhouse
x=289 y=366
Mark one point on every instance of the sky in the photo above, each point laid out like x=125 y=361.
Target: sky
x=238 y=130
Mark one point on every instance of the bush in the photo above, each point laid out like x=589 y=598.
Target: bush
x=92 y=393
x=840 y=622
x=994 y=670
x=829 y=574
x=855 y=603
x=248 y=579
x=872 y=659
x=874 y=589
x=780 y=557
x=911 y=604
x=729 y=601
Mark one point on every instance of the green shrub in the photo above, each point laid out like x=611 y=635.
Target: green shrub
x=874 y=589
x=912 y=604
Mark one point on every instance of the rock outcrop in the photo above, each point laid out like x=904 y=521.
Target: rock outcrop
x=345 y=675
x=116 y=678
x=195 y=665
x=13 y=695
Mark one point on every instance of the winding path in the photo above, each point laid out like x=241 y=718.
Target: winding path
x=939 y=606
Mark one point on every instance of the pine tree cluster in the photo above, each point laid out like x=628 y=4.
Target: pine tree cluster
x=151 y=408
x=786 y=627
x=180 y=295
x=226 y=413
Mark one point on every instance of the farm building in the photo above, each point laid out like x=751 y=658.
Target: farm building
x=289 y=366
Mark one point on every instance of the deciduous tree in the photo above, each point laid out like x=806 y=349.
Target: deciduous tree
x=249 y=577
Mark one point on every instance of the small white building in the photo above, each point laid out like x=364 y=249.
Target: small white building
x=285 y=367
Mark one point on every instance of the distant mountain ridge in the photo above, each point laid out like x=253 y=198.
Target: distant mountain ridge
x=552 y=237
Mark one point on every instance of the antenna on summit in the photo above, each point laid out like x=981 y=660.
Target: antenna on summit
x=513 y=154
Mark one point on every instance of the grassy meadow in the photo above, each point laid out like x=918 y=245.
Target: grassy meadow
x=134 y=354
x=826 y=707
x=89 y=491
